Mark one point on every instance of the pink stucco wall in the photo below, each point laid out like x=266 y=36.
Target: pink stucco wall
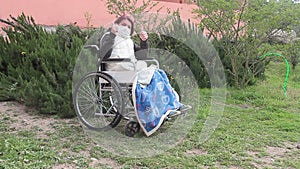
x=53 y=12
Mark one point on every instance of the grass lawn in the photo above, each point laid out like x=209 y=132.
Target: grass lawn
x=260 y=128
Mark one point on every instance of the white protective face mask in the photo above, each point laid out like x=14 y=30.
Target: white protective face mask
x=123 y=31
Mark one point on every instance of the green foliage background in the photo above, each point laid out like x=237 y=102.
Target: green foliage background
x=36 y=66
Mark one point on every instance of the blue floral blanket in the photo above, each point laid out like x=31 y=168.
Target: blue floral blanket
x=154 y=99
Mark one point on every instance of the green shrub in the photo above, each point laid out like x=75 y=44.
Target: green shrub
x=242 y=68
x=187 y=43
x=294 y=53
x=36 y=66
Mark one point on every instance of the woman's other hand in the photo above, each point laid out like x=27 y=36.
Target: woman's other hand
x=114 y=28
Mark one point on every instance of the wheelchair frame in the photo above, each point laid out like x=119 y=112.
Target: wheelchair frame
x=102 y=98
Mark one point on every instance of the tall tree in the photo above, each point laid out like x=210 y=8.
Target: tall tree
x=241 y=30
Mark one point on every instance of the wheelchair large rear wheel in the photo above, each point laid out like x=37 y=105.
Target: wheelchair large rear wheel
x=98 y=101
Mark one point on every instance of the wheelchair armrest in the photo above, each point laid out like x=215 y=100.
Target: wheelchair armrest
x=146 y=58
x=109 y=60
x=116 y=60
x=150 y=60
x=91 y=47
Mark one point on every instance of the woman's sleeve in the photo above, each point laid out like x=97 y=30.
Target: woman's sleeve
x=141 y=51
x=143 y=45
x=106 y=44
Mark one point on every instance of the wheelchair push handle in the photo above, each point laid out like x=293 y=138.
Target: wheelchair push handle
x=91 y=47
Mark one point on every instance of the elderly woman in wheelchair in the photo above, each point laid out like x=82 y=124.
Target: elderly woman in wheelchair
x=125 y=86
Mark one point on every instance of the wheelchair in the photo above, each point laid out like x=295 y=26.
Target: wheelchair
x=103 y=98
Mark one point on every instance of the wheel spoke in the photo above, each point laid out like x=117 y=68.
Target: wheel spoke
x=98 y=99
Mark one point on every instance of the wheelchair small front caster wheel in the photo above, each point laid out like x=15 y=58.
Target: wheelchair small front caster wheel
x=132 y=128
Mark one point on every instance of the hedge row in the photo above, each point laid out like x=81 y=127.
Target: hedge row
x=36 y=66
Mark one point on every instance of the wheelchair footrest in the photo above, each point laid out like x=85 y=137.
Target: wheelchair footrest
x=184 y=108
x=179 y=111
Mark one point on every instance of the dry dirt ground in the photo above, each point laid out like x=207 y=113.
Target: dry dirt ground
x=22 y=118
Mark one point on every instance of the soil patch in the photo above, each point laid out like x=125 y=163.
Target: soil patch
x=19 y=117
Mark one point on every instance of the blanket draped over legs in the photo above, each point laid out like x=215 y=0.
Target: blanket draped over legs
x=154 y=99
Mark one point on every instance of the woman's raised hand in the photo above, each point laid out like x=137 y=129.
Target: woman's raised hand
x=143 y=35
